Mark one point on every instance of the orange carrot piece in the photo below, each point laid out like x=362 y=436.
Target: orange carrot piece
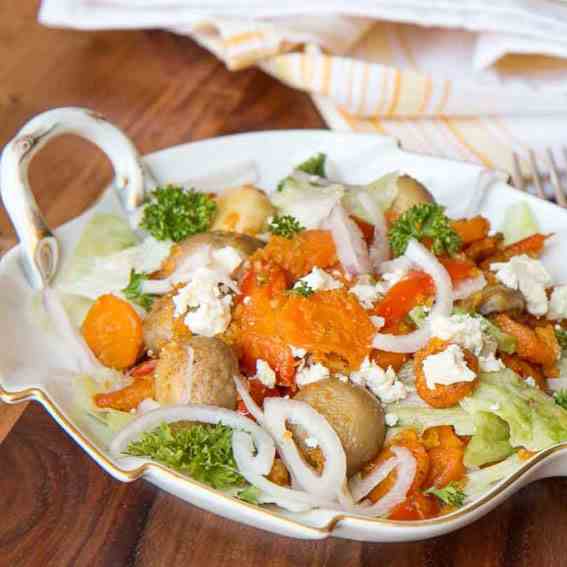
x=459 y=269
x=442 y=396
x=538 y=346
x=418 y=506
x=113 y=331
x=394 y=359
x=530 y=245
x=127 y=398
x=446 y=466
x=471 y=230
x=524 y=369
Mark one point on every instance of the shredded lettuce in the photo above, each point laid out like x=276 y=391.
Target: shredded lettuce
x=421 y=418
x=534 y=419
x=490 y=443
x=484 y=479
x=519 y=223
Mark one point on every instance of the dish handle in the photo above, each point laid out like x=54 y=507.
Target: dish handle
x=39 y=247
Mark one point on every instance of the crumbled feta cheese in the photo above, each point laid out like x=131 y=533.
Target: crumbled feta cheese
x=309 y=373
x=391 y=419
x=378 y=322
x=319 y=280
x=447 y=367
x=146 y=405
x=367 y=291
x=558 y=303
x=227 y=258
x=490 y=363
x=265 y=374
x=247 y=300
x=384 y=384
x=393 y=271
x=530 y=381
x=206 y=305
x=311 y=442
x=461 y=329
x=297 y=352
x=469 y=286
x=527 y=275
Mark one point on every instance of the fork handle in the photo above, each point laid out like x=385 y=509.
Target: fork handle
x=39 y=247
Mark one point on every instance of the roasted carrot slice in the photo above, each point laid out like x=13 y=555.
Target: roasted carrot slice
x=534 y=345
x=442 y=396
x=113 y=331
x=530 y=245
x=127 y=398
x=394 y=359
x=524 y=369
x=471 y=230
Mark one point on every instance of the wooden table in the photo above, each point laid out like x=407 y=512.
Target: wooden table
x=57 y=508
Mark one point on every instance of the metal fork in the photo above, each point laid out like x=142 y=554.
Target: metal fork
x=535 y=172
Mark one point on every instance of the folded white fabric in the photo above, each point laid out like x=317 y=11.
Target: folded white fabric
x=435 y=74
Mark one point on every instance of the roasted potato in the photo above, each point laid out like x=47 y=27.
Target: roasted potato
x=243 y=209
x=198 y=370
x=244 y=244
x=352 y=412
x=410 y=192
x=161 y=327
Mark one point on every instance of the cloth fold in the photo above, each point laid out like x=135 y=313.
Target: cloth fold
x=474 y=80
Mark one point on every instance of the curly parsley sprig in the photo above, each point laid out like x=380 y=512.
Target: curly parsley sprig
x=302 y=288
x=285 y=225
x=133 y=291
x=173 y=213
x=424 y=221
x=451 y=494
x=315 y=165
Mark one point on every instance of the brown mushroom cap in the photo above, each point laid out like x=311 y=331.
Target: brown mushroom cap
x=355 y=415
x=410 y=192
x=160 y=326
x=208 y=381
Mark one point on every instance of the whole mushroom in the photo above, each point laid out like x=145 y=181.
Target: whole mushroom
x=410 y=193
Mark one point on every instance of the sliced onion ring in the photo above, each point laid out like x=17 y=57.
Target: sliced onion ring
x=294 y=500
x=379 y=250
x=467 y=287
x=251 y=405
x=351 y=248
x=443 y=306
x=406 y=466
x=261 y=462
x=360 y=486
x=328 y=484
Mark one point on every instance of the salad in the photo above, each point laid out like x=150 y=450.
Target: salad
x=328 y=345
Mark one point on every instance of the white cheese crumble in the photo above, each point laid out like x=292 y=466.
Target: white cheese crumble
x=469 y=332
x=319 y=280
x=227 y=258
x=558 y=303
x=393 y=271
x=447 y=367
x=528 y=276
x=146 y=405
x=309 y=373
x=367 y=291
x=378 y=322
x=530 y=381
x=391 y=419
x=384 y=384
x=207 y=307
x=265 y=374
x=247 y=300
x=311 y=442
x=297 y=352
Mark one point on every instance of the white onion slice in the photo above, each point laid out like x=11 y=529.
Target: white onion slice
x=77 y=348
x=294 y=500
x=250 y=404
x=406 y=466
x=360 y=486
x=351 y=248
x=469 y=286
x=412 y=342
x=277 y=412
x=261 y=462
x=379 y=250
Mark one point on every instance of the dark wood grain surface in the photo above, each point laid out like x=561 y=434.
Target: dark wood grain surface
x=57 y=508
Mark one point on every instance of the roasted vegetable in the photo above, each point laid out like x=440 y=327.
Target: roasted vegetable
x=410 y=193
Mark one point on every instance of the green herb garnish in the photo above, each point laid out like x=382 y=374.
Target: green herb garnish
x=302 y=288
x=426 y=220
x=133 y=291
x=249 y=494
x=315 y=165
x=561 y=335
x=173 y=213
x=286 y=226
x=560 y=398
x=451 y=494
x=203 y=452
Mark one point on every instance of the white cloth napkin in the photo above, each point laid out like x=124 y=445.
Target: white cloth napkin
x=470 y=80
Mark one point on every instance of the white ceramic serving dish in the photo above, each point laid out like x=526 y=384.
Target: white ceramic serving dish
x=31 y=356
